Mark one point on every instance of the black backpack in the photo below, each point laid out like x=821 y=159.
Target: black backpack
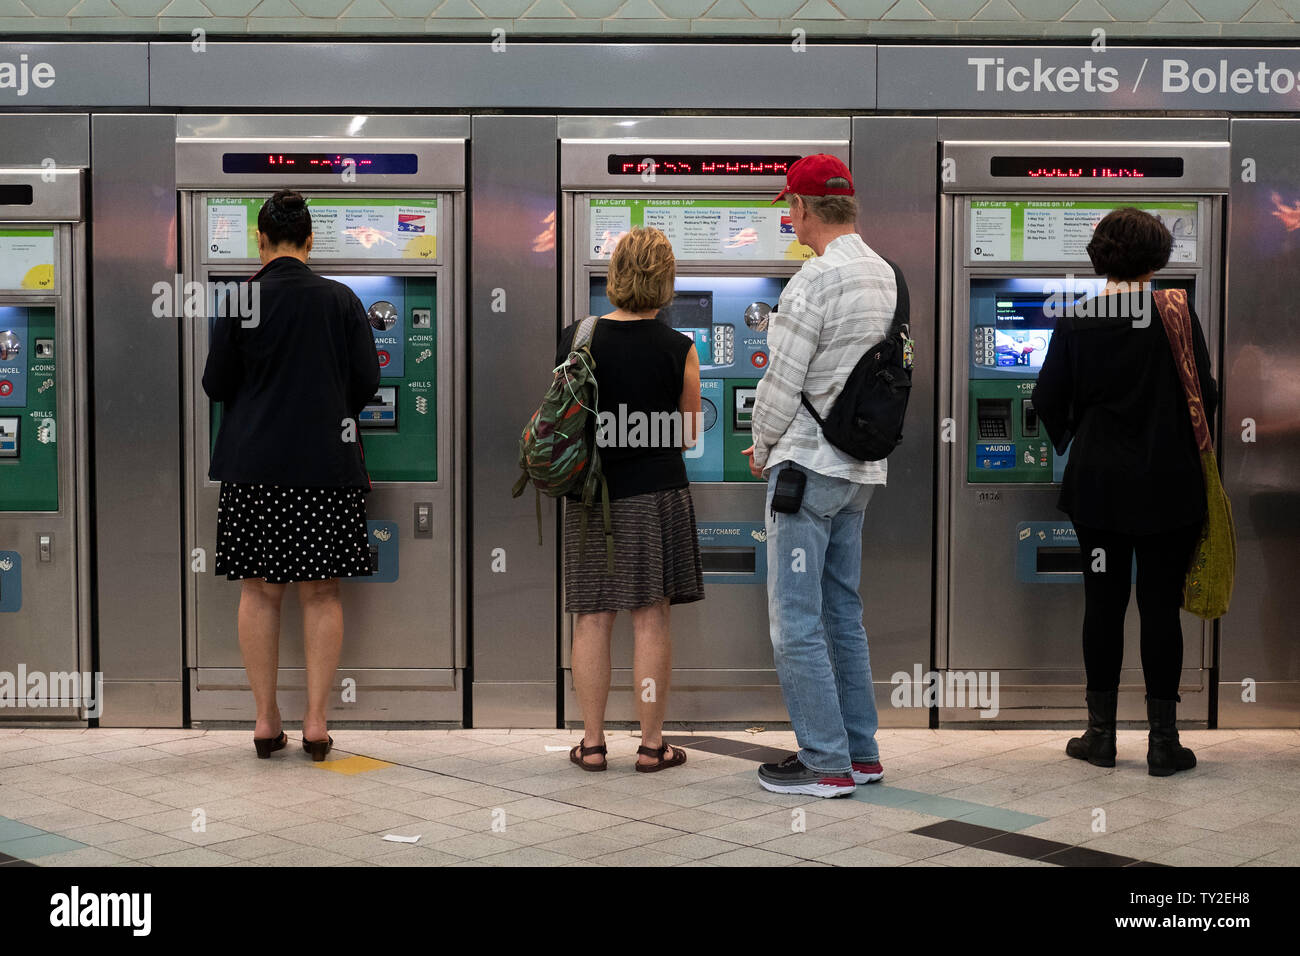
x=866 y=420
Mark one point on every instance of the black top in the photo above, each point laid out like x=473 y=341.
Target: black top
x=289 y=382
x=1114 y=389
x=640 y=367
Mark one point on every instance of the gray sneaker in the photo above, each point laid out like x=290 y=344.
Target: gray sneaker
x=791 y=776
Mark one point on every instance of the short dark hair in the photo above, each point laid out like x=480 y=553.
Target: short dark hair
x=285 y=219
x=1128 y=243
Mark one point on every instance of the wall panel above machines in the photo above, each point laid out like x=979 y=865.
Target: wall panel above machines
x=1015 y=222
x=387 y=201
x=45 y=627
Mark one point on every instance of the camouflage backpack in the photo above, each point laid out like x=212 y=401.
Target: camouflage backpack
x=557 y=450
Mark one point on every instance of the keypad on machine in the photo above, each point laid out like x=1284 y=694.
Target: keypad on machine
x=724 y=344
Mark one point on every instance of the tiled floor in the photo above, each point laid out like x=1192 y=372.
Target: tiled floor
x=481 y=797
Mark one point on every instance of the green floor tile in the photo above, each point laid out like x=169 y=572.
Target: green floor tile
x=13 y=830
x=950 y=808
x=944 y=806
x=1001 y=819
x=44 y=844
x=886 y=796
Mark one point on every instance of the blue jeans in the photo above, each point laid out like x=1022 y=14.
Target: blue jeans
x=814 y=564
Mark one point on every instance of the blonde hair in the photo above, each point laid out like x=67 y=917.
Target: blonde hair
x=641 y=271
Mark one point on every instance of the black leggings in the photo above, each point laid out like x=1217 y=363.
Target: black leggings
x=1162 y=561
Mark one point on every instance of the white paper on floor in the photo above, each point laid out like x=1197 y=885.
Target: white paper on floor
x=394 y=838
x=550 y=749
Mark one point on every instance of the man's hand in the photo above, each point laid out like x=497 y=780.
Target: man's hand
x=754 y=470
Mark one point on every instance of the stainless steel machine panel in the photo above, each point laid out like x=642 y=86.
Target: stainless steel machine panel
x=894 y=159
x=998 y=608
x=436 y=143
x=1259 y=654
x=404 y=627
x=586 y=145
x=515 y=276
x=722 y=661
x=44 y=535
x=1196 y=167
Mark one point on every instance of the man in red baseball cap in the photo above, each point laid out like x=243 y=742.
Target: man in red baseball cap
x=839 y=305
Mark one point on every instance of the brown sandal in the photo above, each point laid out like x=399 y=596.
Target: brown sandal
x=580 y=751
x=678 y=758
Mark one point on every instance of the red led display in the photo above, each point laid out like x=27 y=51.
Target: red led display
x=698 y=164
x=399 y=164
x=1075 y=167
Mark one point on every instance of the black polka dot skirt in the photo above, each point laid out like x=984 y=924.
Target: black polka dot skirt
x=287 y=534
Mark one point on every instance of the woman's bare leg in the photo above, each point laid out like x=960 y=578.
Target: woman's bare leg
x=652 y=667
x=591 y=666
x=259 y=643
x=322 y=634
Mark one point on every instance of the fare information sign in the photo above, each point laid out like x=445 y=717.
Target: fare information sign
x=700 y=229
x=1043 y=230
x=27 y=260
x=344 y=228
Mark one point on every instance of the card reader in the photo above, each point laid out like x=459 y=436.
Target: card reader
x=743 y=414
x=381 y=411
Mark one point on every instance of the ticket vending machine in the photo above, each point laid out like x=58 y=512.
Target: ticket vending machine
x=387 y=201
x=1016 y=222
x=708 y=185
x=44 y=515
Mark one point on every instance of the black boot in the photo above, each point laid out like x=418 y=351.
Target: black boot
x=1097 y=745
x=1165 y=754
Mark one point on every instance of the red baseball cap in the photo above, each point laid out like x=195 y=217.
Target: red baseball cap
x=808 y=177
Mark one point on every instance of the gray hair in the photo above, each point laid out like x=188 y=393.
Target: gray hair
x=832 y=210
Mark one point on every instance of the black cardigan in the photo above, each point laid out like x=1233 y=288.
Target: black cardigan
x=1114 y=389
x=289 y=381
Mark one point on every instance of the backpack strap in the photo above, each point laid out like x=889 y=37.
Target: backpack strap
x=803 y=397
x=609 y=531
x=586 y=332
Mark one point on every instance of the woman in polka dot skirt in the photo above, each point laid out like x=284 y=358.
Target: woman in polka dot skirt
x=292 y=377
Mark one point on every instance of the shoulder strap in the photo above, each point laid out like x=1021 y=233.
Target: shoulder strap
x=1177 y=321
x=803 y=397
x=586 y=332
x=902 y=303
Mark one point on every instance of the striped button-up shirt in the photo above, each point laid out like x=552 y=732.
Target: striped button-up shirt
x=832 y=311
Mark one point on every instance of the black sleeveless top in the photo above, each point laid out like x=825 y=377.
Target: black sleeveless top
x=640 y=367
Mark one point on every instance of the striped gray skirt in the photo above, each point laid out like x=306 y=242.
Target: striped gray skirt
x=656 y=554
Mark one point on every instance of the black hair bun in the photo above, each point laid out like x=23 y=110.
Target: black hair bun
x=285 y=217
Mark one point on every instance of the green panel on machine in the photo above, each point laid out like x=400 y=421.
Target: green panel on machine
x=1006 y=440
x=400 y=429
x=738 y=415
x=29 y=459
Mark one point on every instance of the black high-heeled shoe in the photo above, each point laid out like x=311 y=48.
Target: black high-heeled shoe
x=317 y=748
x=269 y=745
